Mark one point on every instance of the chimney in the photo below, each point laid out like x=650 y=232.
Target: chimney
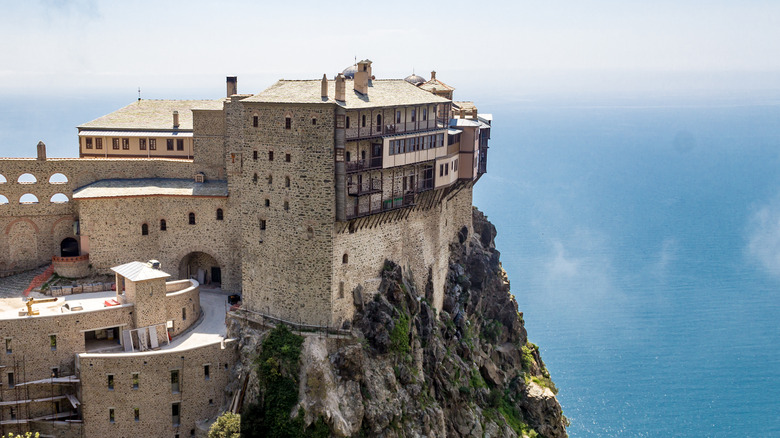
x=232 y=85
x=362 y=76
x=462 y=113
x=474 y=114
x=324 y=87
x=433 y=75
x=41 y=151
x=175 y=119
x=340 y=88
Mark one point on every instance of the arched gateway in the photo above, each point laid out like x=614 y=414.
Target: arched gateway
x=202 y=267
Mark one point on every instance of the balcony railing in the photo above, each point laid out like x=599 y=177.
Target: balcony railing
x=365 y=187
x=361 y=165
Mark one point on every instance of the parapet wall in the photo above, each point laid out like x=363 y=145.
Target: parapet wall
x=183 y=305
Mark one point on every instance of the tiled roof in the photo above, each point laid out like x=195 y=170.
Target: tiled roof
x=381 y=93
x=153 y=114
x=437 y=84
x=113 y=188
x=139 y=271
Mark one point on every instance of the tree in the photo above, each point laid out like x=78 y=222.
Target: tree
x=228 y=425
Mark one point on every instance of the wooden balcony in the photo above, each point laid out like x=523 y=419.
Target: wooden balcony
x=365 y=187
x=363 y=165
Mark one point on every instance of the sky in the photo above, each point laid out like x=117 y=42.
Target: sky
x=506 y=49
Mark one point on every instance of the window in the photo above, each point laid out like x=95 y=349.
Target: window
x=446 y=169
x=348 y=156
x=136 y=380
x=163 y=225
x=110 y=382
x=174 y=380
x=98 y=143
x=142 y=144
x=179 y=144
x=88 y=142
x=313 y=120
x=287 y=158
x=55 y=372
x=11 y=381
x=8 y=349
x=347 y=125
x=379 y=120
x=183 y=313
x=152 y=144
x=414 y=115
x=254 y=178
x=287 y=181
x=192 y=218
x=267 y=202
x=136 y=414
x=425 y=114
x=262 y=224
x=345 y=259
x=441 y=170
x=286 y=205
x=220 y=214
x=207 y=372
x=111 y=415
x=53 y=342
x=254 y=155
x=287 y=123
x=126 y=144
x=169 y=144
x=270 y=179
x=144 y=230
x=363 y=121
x=398 y=117
x=255 y=121
x=270 y=155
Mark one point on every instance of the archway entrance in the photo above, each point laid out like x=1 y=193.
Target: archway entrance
x=69 y=247
x=202 y=267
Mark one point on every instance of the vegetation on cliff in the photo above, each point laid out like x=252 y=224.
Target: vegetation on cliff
x=464 y=370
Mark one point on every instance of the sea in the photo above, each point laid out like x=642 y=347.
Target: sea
x=641 y=238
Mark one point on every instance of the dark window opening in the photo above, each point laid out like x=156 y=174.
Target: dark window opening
x=363 y=121
x=111 y=382
x=262 y=224
x=313 y=121
x=144 y=230
x=192 y=218
x=287 y=123
x=345 y=259
x=220 y=214
x=255 y=121
x=115 y=143
x=379 y=120
x=169 y=144
x=163 y=225
x=254 y=178
x=179 y=144
x=206 y=372
x=286 y=205
x=287 y=181
x=267 y=202
x=347 y=122
x=88 y=142
x=270 y=155
x=287 y=158
x=254 y=155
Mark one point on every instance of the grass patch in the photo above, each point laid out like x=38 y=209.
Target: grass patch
x=399 y=337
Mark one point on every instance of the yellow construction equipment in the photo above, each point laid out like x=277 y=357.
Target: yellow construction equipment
x=32 y=301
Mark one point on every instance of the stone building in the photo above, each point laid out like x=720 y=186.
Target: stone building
x=294 y=197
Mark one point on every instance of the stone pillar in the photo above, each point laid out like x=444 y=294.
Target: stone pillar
x=41 y=151
x=232 y=85
x=341 y=173
x=341 y=94
x=324 y=87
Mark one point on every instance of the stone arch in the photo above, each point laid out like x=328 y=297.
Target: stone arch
x=22 y=244
x=59 y=198
x=3 y=200
x=27 y=178
x=15 y=221
x=58 y=178
x=58 y=221
x=28 y=198
x=2 y=179
x=69 y=247
x=201 y=266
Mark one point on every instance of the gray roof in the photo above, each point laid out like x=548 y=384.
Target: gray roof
x=153 y=115
x=113 y=188
x=381 y=93
x=462 y=123
x=139 y=271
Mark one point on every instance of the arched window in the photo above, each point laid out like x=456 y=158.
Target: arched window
x=286 y=205
x=254 y=179
x=220 y=215
x=27 y=178
x=270 y=179
x=287 y=181
x=163 y=225
x=28 y=198
x=58 y=178
x=144 y=230
x=59 y=198
x=192 y=218
x=345 y=258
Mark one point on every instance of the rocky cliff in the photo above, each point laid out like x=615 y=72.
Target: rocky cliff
x=471 y=372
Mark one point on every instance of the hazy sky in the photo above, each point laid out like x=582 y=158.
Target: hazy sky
x=519 y=47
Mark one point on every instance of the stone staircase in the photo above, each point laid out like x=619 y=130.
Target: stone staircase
x=15 y=285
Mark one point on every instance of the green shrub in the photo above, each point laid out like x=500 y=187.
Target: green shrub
x=399 y=337
x=228 y=425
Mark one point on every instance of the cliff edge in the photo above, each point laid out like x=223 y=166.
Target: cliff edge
x=471 y=372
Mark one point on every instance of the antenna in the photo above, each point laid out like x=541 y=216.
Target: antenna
x=139 y=94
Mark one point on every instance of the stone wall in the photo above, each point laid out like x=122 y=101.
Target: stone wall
x=113 y=227
x=417 y=238
x=286 y=266
x=183 y=308
x=200 y=397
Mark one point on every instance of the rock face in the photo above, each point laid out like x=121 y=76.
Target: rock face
x=470 y=372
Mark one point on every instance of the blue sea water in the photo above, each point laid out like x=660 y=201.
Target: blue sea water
x=643 y=246
x=642 y=243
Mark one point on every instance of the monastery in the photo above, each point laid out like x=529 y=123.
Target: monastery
x=293 y=198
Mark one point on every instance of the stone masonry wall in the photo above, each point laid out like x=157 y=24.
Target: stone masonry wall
x=113 y=227
x=417 y=238
x=200 y=396
x=286 y=266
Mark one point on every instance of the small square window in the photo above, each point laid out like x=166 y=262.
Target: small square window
x=111 y=415
x=88 y=142
x=313 y=121
x=179 y=144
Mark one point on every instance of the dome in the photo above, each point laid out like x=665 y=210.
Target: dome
x=350 y=71
x=414 y=79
